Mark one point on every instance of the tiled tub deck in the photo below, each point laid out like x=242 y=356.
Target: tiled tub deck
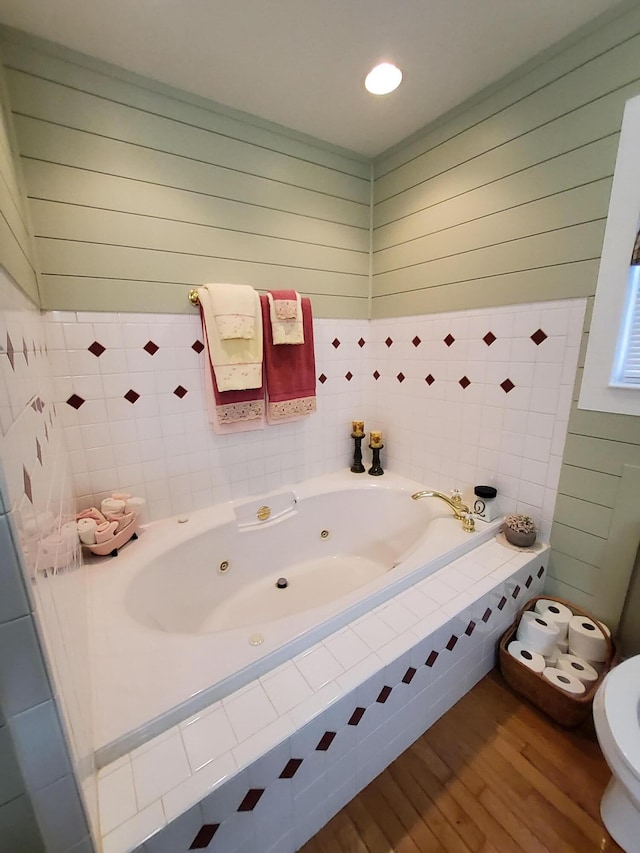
x=263 y=769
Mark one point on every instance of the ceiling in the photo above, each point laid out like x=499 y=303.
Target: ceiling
x=302 y=63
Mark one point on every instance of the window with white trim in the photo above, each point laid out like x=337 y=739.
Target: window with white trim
x=611 y=380
x=626 y=371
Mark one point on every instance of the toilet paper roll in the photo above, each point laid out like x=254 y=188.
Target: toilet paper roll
x=564 y=680
x=586 y=640
x=121 y=496
x=536 y=633
x=559 y=613
x=87 y=530
x=530 y=659
x=579 y=668
x=112 y=506
x=563 y=647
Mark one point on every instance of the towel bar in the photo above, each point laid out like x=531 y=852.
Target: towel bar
x=194 y=299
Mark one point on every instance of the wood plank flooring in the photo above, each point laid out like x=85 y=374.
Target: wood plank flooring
x=493 y=775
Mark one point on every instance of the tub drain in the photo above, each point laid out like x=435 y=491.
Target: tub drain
x=282 y=583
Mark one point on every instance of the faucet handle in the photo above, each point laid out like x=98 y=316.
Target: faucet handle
x=456 y=496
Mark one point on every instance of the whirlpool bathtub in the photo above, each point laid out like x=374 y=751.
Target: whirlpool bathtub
x=201 y=605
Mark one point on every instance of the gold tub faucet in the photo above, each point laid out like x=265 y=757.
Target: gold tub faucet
x=460 y=510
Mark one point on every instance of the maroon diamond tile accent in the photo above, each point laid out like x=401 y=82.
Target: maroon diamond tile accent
x=502 y=603
x=452 y=642
x=25 y=351
x=198 y=346
x=540 y=571
x=470 y=628
x=151 y=348
x=400 y=377
x=291 y=768
x=357 y=715
x=528 y=582
x=376 y=375
x=26 y=479
x=10 y=351
x=38 y=451
x=516 y=591
x=433 y=657
x=489 y=338
x=251 y=800
x=538 y=337
x=348 y=376
x=389 y=342
x=361 y=342
x=407 y=678
x=416 y=341
x=204 y=837
x=325 y=741
x=335 y=343
x=46 y=432
x=486 y=615
x=464 y=382
x=449 y=339
x=96 y=349
x=322 y=379
x=507 y=386
x=131 y=396
x=384 y=694
x=34 y=405
x=429 y=379
x=180 y=391
x=75 y=401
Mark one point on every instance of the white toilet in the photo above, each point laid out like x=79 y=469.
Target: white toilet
x=616 y=713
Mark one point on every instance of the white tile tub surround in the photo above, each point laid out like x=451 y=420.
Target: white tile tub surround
x=264 y=769
x=507 y=419
x=471 y=395
x=157 y=442
x=43 y=593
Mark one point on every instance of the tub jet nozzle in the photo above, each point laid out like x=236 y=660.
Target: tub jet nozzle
x=282 y=583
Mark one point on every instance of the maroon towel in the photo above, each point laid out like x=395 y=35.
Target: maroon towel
x=290 y=370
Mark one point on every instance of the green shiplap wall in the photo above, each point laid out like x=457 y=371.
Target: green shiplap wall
x=138 y=192
x=504 y=201
x=16 y=245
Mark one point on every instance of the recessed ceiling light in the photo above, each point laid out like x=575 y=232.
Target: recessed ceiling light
x=382 y=79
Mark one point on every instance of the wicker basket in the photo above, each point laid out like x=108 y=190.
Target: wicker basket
x=564 y=708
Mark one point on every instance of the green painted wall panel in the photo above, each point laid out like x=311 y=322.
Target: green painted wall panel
x=582 y=546
x=574 y=572
x=107 y=263
x=52 y=182
x=93 y=226
x=78 y=71
x=75 y=109
x=566 y=246
x=470 y=199
x=559 y=210
x=583 y=515
x=85 y=294
x=134 y=185
x=564 y=280
x=581 y=482
x=593 y=40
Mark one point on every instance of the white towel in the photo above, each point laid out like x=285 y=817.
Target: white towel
x=237 y=363
x=233 y=309
x=286 y=331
